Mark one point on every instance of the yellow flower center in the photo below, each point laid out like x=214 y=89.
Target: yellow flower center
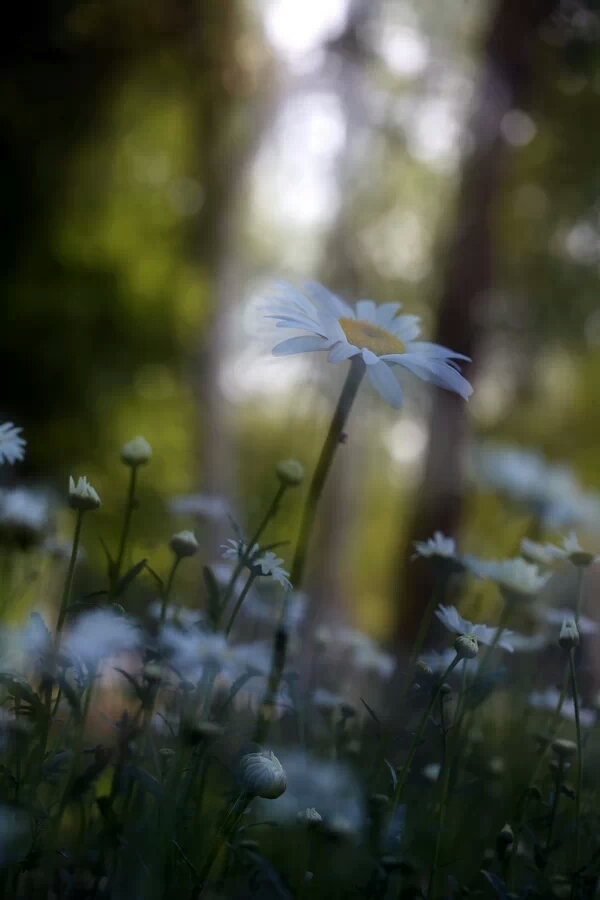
x=372 y=337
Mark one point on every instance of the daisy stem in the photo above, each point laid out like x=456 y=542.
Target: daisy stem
x=225 y=831
x=435 y=693
x=167 y=589
x=500 y=629
x=239 y=601
x=447 y=766
x=579 y=599
x=579 y=755
x=130 y=506
x=333 y=439
x=66 y=597
x=277 y=665
x=243 y=560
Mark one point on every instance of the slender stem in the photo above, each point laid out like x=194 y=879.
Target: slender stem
x=130 y=506
x=66 y=597
x=168 y=586
x=579 y=598
x=437 y=597
x=419 y=733
x=579 y=756
x=224 y=833
x=239 y=601
x=500 y=629
x=243 y=560
x=555 y=800
x=446 y=770
x=277 y=665
x=333 y=439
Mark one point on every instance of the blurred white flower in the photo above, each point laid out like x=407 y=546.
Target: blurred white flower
x=376 y=333
x=262 y=610
x=454 y=622
x=548 y=700
x=529 y=643
x=432 y=771
x=572 y=550
x=540 y=554
x=237 y=550
x=209 y=507
x=100 y=634
x=327 y=784
x=24 y=514
x=326 y=699
x=438 y=545
x=270 y=565
x=556 y=616
x=516 y=575
x=189 y=650
x=184 y=616
x=12 y=447
x=370 y=658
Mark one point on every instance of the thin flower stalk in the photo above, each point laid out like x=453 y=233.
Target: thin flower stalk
x=579 y=784
x=130 y=505
x=167 y=588
x=66 y=596
x=223 y=835
x=238 y=604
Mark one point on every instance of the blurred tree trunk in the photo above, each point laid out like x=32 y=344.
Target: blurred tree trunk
x=230 y=121
x=507 y=73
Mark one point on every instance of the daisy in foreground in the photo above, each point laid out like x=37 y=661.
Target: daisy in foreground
x=377 y=334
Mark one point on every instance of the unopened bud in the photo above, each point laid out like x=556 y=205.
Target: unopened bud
x=466 y=646
x=262 y=775
x=137 y=452
x=184 y=544
x=290 y=472
x=569 y=635
x=82 y=495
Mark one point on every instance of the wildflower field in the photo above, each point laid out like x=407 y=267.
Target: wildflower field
x=161 y=749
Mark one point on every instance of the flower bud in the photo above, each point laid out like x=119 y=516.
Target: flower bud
x=564 y=748
x=184 y=544
x=505 y=835
x=309 y=816
x=290 y=472
x=82 y=495
x=445 y=689
x=466 y=646
x=261 y=775
x=569 y=635
x=137 y=452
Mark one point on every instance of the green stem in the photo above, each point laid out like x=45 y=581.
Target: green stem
x=446 y=770
x=223 y=835
x=419 y=733
x=116 y=572
x=66 y=597
x=333 y=439
x=243 y=560
x=500 y=629
x=240 y=600
x=579 y=756
x=579 y=598
x=168 y=586
x=554 y=810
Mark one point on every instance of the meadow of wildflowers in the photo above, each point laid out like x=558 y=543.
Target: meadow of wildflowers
x=175 y=751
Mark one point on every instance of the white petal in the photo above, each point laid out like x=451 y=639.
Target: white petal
x=302 y=344
x=341 y=351
x=386 y=313
x=366 y=311
x=435 y=351
x=383 y=380
x=370 y=358
x=438 y=373
x=297 y=321
x=290 y=297
x=406 y=328
x=334 y=305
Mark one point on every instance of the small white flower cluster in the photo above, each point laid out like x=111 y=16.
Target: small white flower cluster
x=267 y=564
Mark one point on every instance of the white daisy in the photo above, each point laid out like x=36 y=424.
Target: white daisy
x=454 y=622
x=237 y=550
x=270 y=564
x=100 y=634
x=516 y=575
x=12 y=447
x=438 y=545
x=540 y=554
x=376 y=333
x=572 y=550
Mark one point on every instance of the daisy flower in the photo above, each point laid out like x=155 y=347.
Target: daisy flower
x=376 y=333
x=540 y=554
x=454 y=622
x=573 y=551
x=438 y=545
x=12 y=447
x=518 y=577
x=270 y=564
x=237 y=550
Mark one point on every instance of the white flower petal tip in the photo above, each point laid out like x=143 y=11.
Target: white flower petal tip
x=378 y=333
x=438 y=545
x=12 y=445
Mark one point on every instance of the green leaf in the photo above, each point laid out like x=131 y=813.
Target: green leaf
x=129 y=577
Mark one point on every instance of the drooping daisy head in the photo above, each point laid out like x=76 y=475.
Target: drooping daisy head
x=377 y=334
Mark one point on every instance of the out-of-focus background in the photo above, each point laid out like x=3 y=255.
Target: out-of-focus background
x=165 y=161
